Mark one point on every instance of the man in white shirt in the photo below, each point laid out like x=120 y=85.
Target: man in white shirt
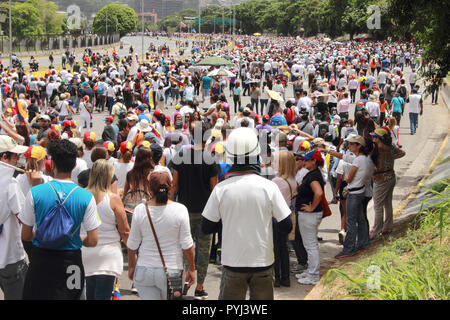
x=415 y=108
x=247 y=239
x=373 y=108
x=13 y=266
x=132 y=120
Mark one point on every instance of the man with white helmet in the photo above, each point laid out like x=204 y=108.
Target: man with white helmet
x=245 y=204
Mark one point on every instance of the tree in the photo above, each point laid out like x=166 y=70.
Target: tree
x=115 y=17
x=427 y=22
x=25 y=20
x=51 y=21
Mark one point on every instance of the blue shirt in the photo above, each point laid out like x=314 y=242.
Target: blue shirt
x=397 y=103
x=44 y=199
x=206 y=82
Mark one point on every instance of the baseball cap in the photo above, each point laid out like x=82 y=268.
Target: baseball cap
x=379 y=132
x=157 y=112
x=90 y=135
x=266 y=117
x=133 y=117
x=160 y=181
x=356 y=139
x=35 y=152
x=77 y=142
x=7 y=144
x=109 y=145
x=318 y=141
x=109 y=118
x=45 y=118
x=315 y=154
x=126 y=146
x=149 y=136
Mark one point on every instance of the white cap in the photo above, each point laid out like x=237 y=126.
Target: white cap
x=7 y=144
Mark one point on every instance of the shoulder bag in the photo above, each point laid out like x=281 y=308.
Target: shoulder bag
x=291 y=235
x=175 y=283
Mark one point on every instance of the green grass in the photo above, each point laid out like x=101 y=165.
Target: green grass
x=412 y=267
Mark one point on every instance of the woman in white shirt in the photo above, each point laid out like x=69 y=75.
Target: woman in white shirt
x=35 y=161
x=103 y=263
x=285 y=181
x=81 y=164
x=124 y=164
x=171 y=223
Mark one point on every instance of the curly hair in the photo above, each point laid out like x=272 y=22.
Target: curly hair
x=64 y=154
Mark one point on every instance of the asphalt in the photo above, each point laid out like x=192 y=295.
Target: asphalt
x=420 y=151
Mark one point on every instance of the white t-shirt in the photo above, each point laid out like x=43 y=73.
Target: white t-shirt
x=11 y=203
x=300 y=175
x=132 y=133
x=171 y=223
x=414 y=103
x=25 y=184
x=362 y=176
x=87 y=158
x=80 y=166
x=246 y=205
x=121 y=169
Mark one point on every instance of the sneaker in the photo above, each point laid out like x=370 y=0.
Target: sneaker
x=200 y=294
x=341 y=235
x=302 y=275
x=341 y=255
x=185 y=290
x=309 y=280
x=299 y=268
x=133 y=289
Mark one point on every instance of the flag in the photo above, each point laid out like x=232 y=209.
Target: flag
x=147 y=96
x=174 y=79
x=237 y=44
x=182 y=25
x=21 y=112
x=155 y=132
x=286 y=71
x=116 y=293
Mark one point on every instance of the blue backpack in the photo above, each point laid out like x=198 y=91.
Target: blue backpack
x=101 y=88
x=55 y=229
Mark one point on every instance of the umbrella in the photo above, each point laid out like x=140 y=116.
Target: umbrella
x=257 y=34
x=215 y=61
x=274 y=95
x=221 y=73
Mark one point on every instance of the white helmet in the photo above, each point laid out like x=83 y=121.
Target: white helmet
x=242 y=143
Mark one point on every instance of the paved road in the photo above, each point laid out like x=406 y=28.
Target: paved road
x=420 y=150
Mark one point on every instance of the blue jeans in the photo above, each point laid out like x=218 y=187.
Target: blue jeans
x=151 y=282
x=357 y=224
x=413 y=121
x=99 y=287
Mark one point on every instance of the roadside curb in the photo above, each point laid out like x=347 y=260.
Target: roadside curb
x=400 y=208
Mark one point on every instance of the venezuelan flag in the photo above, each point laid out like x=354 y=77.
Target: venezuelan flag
x=22 y=114
x=116 y=293
x=147 y=96
x=174 y=79
x=155 y=131
x=237 y=44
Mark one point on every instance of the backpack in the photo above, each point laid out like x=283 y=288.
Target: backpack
x=290 y=115
x=101 y=88
x=323 y=130
x=402 y=91
x=55 y=228
x=290 y=142
x=349 y=131
x=132 y=199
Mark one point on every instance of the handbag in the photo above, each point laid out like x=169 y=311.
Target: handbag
x=325 y=207
x=291 y=235
x=174 y=283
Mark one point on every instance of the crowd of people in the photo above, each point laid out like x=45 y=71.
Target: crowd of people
x=238 y=185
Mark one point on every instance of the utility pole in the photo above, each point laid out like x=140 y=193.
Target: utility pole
x=142 y=40
x=10 y=37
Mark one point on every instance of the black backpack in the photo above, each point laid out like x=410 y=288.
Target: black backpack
x=402 y=91
x=323 y=129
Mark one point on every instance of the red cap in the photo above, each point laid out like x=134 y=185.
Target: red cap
x=157 y=112
x=266 y=117
x=109 y=118
x=126 y=146
x=66 y=123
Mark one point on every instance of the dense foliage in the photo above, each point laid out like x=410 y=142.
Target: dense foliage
x=115 y=17
x=33 y=18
